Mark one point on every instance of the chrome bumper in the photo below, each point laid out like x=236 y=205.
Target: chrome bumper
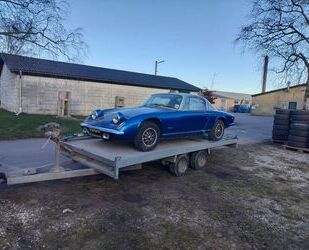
x=104 y=130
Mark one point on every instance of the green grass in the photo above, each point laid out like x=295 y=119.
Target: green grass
x=26 y=125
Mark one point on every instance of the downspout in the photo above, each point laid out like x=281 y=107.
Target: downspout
x=20 y=94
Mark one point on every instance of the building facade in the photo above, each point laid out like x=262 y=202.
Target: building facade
x=226 y=100
x=286 y=98
x=71 y=89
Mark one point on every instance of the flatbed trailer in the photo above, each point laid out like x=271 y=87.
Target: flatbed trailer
x=91 y=156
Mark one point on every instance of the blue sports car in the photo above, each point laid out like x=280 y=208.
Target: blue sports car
x=161 y=116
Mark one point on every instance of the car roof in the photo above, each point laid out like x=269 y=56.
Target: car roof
x=181 y=94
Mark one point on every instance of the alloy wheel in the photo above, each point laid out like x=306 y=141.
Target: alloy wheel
x=219 y=130
x=149 y=137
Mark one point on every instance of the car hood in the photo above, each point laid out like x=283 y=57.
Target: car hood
x=127 y=113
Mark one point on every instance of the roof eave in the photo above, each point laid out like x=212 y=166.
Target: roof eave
x=16 y=71
x=278 y=90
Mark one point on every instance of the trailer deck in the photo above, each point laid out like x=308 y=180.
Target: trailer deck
x=91 y=156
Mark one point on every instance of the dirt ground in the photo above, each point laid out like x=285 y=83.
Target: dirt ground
x=256 y=196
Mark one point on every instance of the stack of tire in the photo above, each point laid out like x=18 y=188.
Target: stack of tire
x=299 y=129
x=281 y=125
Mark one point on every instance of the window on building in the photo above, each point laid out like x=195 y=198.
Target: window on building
x=292 y=105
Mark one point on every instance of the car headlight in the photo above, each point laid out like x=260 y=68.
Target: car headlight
x=94 y=115
x=116 y=118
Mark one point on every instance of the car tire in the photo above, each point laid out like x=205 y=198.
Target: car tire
x=280 y=137
x=295 y=138
x=217 y=131
x=281 y=127
x=299 y=112
x=180 y=166
x=282 y=111
x=299 y=133
x=297 y=144
x=300 y=118
x=198 y=160
x=285 y=122
x=299 y=126
x=282 y=116
x=147 y=136
x=280 y=132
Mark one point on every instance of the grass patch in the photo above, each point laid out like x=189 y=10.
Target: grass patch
x=25 y=125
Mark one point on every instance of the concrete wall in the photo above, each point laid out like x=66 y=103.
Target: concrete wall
x=224 y=104
x=227 y=104
x=9 y=90
x=40 y=95
x=265 y=104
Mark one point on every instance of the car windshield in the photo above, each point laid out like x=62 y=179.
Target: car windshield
x=165 y=100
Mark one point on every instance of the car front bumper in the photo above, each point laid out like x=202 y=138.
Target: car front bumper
x=102 y=130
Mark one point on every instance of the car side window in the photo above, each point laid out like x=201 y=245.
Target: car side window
x=197 y=104
x=209 y=107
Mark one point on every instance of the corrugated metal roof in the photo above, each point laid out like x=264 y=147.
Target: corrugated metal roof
x=48 y=68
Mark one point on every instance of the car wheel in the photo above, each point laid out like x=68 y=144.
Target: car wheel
x=198 y=160
x=147 y=136
x=217 y=132
x=180 y=167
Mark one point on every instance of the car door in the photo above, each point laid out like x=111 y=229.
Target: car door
x=194 y=116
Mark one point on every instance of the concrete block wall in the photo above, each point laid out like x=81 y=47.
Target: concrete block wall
x=265 y=104
x=9 y=90
x=40 y=95
x=225 y=104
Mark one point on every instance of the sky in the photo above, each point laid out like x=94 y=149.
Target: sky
x=194 y=37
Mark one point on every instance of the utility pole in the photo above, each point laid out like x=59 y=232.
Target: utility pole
x=265 y=70
x=156 y=66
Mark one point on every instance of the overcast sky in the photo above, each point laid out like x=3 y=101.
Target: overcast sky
x=194 y=37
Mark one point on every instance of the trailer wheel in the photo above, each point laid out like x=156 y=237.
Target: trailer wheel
x=180 y=167
x=198 y=160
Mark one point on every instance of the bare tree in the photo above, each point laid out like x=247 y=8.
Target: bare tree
x=209 y=95
x=280 y=29
x=36 y=27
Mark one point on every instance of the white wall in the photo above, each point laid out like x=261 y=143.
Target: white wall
x=40 y=95
x=9 y=90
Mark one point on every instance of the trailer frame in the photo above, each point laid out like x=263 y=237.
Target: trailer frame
x=99 y=157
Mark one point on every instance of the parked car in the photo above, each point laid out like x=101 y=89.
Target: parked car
x=161 y=116
x=242 y=108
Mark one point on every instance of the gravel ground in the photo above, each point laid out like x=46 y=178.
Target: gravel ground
x=256 y=196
